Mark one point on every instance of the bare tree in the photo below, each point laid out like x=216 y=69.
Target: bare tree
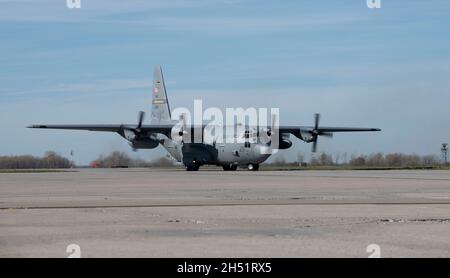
x=325 y=159
x=121 y=159
x=375 y=160
x=357 y=160
x=337 y=158
x=162 y=162
x=345 y=158
x=300 y=158
x=50 y=160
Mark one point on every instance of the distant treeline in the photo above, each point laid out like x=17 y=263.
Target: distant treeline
x=121 y=159
x=394 y=160
x=362 y=160
x=50 y=160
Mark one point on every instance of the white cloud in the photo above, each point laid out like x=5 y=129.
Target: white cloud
x=110 y=12
x=71 y=90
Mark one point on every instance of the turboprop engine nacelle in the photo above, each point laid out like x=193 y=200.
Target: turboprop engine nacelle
x=306 y=136
x=144 y=143
x=285 y=142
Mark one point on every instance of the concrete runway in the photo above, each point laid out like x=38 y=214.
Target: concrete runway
x=173 y=213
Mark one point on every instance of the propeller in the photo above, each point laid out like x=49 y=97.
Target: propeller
x=314 y=146
x=316 y=133
x=137 y=130
x=132 y=134
x=316 y=121
x=141 y=116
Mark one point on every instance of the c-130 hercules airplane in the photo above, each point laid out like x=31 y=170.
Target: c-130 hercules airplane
x=248 y=152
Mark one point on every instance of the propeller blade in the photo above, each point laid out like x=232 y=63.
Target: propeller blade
x=140 y=119
x=315 y=133
x=326 y=134
x=316 y=121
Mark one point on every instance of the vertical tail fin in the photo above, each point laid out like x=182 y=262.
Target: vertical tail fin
x=160 y=103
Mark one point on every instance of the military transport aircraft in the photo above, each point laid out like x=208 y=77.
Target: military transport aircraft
x=171 y=134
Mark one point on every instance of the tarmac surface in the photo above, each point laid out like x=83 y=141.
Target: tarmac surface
x=174 y=213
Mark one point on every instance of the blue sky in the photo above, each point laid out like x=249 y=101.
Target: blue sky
x=386 y=68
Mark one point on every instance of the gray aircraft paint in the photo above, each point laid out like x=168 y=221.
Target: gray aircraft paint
x=173 y=135
x=160 y=104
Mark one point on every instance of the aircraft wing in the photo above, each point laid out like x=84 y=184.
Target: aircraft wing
x=301 y=131
x=165 y=129
x=341 y=129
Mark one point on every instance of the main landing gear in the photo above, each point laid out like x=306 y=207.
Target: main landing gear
x=230 y=167
x=193 y=167
x=233 y=167
x=253 y=167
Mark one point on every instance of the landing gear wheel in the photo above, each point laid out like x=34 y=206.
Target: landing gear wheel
x=193 y=167
x=230 y=167
x=253 y=167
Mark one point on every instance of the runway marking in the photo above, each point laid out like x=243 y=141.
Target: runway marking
x=279 y=174
x=319 y=203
